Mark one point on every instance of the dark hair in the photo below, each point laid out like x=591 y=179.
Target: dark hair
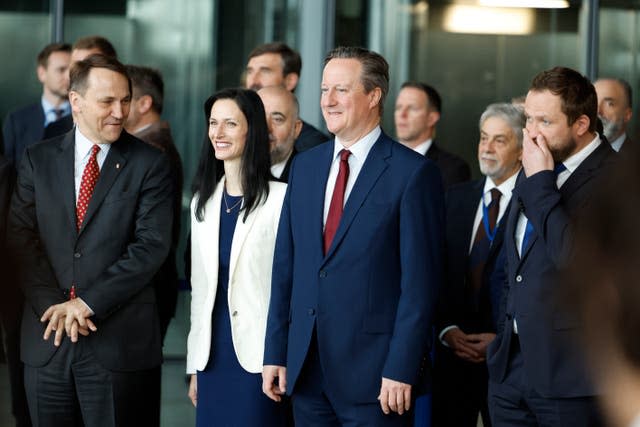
x=79 y=74
x=375 y=69
x=147 y=81
x=433 y=97
x=256 y=163
x=577 y=94
x=291 y=62
x=96 y=42
x=43 y=56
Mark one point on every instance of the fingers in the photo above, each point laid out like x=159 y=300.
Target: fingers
x=193 y=390
x=407 y=398
x=74 y=332
x=59 y=333
x=282 y=380
x=394 y=396
x=91 y=325
x=269 y=387
x=384 y=401
x=47 y=314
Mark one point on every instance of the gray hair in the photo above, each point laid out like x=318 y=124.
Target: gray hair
x=512 y=114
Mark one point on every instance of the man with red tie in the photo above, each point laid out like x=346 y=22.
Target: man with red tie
x=351 y=303
x=90 y=224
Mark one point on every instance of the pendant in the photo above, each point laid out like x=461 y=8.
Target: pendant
x=228 y=210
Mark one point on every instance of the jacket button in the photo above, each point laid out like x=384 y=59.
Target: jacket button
x=323 y=274
x=518 y=278
x=77 y=255
x=311 y=312
x=235 y=313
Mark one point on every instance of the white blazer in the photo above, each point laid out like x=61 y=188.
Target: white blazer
x=250 y=266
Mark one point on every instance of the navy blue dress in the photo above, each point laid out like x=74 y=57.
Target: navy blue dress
x=229 y=396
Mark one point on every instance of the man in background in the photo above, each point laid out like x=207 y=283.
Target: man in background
x=281 y=107
x=615 y=111
x=26 y=126
x=418 y=110
x=276 y=64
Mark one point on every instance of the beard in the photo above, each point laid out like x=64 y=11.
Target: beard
x=612 y=128
x=560 y=154
x=279 y=154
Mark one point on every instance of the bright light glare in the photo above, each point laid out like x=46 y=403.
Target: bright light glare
x=540 y=4
x=480 y=20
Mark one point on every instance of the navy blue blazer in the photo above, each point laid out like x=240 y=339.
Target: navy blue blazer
x=453 y=168
x=553 y=365
x=371 y=298
x=22 y=128
x=458 y=304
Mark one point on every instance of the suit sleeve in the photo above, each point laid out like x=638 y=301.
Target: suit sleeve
x=35 y=273
x=275 y=349
x=541 y=200
x=421 y=241
x=148 y=247
x=9 y=139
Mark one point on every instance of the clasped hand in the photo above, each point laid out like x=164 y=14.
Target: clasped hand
x=70 y=317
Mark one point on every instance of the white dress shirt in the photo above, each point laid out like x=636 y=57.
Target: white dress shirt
x=50 y=111
x=359 y=152
x=82 y=153
x=278 y=168
x=424 y=147
x=505 y=189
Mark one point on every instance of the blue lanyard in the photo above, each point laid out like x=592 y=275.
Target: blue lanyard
x=485 y=222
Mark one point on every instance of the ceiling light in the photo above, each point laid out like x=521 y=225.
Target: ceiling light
x=536 y=4
x=482 y=20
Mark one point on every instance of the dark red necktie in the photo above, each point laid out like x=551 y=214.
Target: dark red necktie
x=88 y=183
x=337 y=200
x=482 y=242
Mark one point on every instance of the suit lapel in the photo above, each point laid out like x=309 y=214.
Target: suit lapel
x=65 y=168
x=111 y=168
x=373 y=167
x=315 y=208
x=512 y=220
x=210 y=235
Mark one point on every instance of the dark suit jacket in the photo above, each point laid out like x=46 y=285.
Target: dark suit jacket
x=454 y=170
x=371 y=297
x=553 y=364
x=59 y=127
x=22 y=128
x=111 y=260
x=628 y=146
x=458 y=304
x=158 y=135
x=309 y=137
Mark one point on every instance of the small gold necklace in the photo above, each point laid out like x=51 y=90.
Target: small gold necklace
x=224 y=197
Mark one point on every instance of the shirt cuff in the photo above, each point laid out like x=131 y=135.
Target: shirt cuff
x=85 y=304
x=444 y=331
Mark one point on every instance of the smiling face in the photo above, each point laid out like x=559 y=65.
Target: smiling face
x=101 y=111
x=350 y=112
x=499 y=153
x=228 y=129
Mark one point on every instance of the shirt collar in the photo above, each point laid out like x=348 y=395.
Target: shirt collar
x=505 y=188
x=617 y=144
x=360 y=149
x=424 y=147
x=574 y=161
x=84 y=145
x=49 y=107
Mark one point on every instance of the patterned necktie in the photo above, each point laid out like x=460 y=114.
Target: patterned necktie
x=482 y=243
x=337 y=200
x=557 y=170
x=89 y=178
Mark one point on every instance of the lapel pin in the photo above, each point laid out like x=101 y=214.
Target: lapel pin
x=117 y=165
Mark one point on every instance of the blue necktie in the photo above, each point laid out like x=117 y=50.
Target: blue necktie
x=557 y=170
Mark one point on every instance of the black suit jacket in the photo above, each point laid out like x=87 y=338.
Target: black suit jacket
x=454 y=170
x=309 y=137
x=22 y=128
x=628 y=147
x=553 y=365
x=111 y=260
x=458 y=304
x=59 y=127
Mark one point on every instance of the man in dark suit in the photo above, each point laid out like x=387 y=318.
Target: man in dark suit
x=474 y=272
x=145 y=122
x=281 y=107
x=82 y=48
x=91 y=224
x=351 y=306
x=418 y=110
x=276 y=64
x=26 y=126
x=615 y=111
x=537 y=374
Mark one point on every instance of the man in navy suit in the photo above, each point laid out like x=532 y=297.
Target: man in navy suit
x=474 y=271
x=351 y=304
x=418 y=109
x=26 y=125
x=537 y=374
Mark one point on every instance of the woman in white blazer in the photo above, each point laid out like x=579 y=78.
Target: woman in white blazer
x=234 y=220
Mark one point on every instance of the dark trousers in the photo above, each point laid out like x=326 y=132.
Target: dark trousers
x=514 y=403
x=459 y=391
x=314 y=404
x=73 y=389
